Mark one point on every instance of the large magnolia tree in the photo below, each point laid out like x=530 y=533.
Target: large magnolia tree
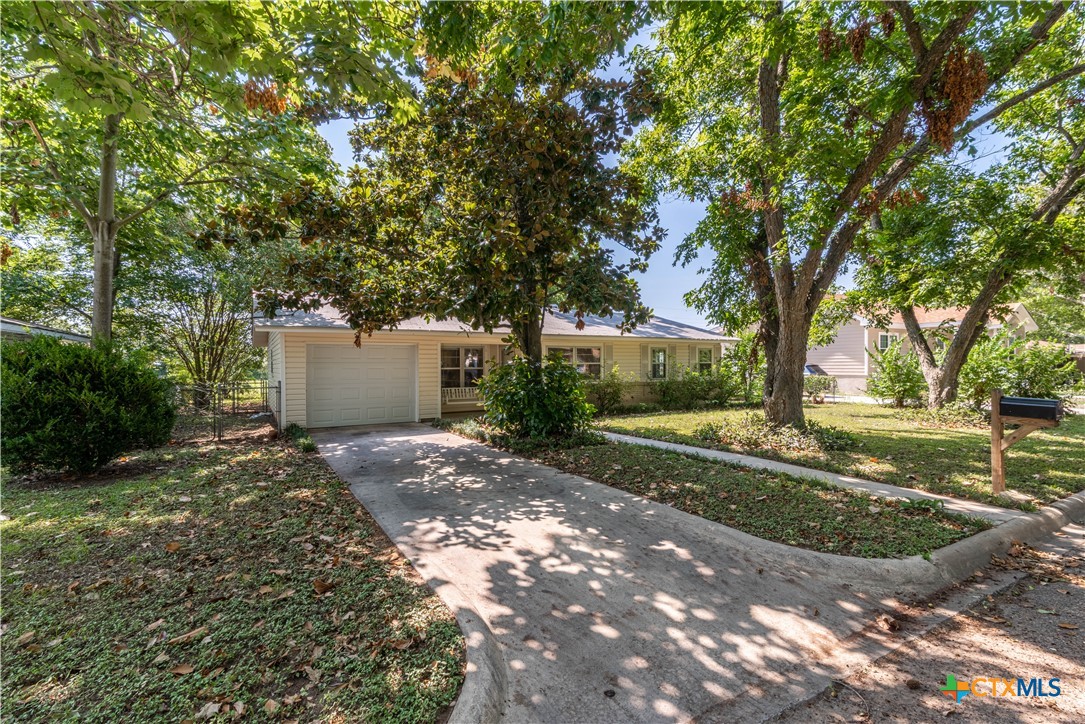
x=114 y=110
x=795 y=123
x=491 y=206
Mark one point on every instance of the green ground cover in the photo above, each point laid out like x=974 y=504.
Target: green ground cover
x=890 y=446
x=211 y=580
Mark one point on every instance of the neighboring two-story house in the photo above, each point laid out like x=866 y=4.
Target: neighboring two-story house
x=848 y=357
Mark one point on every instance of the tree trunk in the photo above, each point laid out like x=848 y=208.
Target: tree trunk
x=104 y=232
x=785 y=360
x=528 y=334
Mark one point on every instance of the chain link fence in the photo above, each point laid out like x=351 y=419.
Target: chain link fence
x=208 y=410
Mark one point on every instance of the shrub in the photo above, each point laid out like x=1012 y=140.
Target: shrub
x=690 y=388
x=526 y=400
x=608 y=393
x=754 y=432
x=746 y=361
x=897 y=376
x=817 y=385
x=989 y=366
x=1041 y=369
x=69 y=406
x=300 y=437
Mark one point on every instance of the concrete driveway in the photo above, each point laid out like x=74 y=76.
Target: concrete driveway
x=582 y=603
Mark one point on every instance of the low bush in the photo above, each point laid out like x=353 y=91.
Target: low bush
x=690 y=389
x=746 y=359
x=1032 y=369
x=989 y=366
x=753 y=432
x=70 y=406
x=816 y=386
x=525 y=400
x=607 y=394
x=897 y=377
x=300 y=437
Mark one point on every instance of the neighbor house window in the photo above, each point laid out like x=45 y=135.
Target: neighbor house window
x=461 y=366
x=658 y=359
x=704 y=360
x=587 y=360
x=884 y=340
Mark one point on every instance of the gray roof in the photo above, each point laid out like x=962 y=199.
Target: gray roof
x=557 y=323
x=18 y=329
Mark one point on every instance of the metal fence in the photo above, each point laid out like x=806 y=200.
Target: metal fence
x=205 y=408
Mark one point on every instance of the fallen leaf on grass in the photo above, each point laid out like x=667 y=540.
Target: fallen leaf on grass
x=271 y=706
x=1070 y=626
x=266 y=589
x=185 y=638
x=156 y=624
x=173 y=547
x=209 y=710
x=182 y=669
x=25 y=639
x=321 y=586
x=313 y=674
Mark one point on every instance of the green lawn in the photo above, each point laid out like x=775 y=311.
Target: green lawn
x=803 y=513
x=891 y=447
x=190 y=580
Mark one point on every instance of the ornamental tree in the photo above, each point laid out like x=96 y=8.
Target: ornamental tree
x=796 y=123
x=115 y=111
x=489 y=207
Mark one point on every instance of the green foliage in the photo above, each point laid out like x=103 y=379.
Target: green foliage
x=489 y=207
x=688 y=388
x=753 y=432
x=607 y=394
x=815 y=386
x=67 y=406
x=300 y=437
x=1058 y=309
x=747 y=358
x=897 y=376
x=1017 y=368
x=530 y=400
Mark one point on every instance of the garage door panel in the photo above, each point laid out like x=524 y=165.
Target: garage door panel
x=352 y=386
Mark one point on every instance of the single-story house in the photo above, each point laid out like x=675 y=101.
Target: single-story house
x=18 y=329
x=848 y=356
x=427 y=369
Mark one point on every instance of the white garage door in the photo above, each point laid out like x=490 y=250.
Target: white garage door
x=366 y=386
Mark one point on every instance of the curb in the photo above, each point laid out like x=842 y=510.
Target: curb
x=959 y=560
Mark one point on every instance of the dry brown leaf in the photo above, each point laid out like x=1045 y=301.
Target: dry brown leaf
x=1070 y=626
x=271 y=706
x=313 y=674
x=266 y=589
x=161 y=659
x=321 y=586
x=185 y=638
x=25 y=639
x=239 y=707
x=181 y=669
x=154 y=625
x=173 y=547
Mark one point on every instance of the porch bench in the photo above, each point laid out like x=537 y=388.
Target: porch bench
x=459 y=394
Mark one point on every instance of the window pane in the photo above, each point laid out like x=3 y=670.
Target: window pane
x=704 y=355
x=659 y=356
x=591 y=370
x=450 y=357
x=472 y=358
x=471 y=377
x=450 y=378
x=590 y=355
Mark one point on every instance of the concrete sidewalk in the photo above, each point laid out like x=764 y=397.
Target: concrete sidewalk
x=992 y=513
x=582 y=603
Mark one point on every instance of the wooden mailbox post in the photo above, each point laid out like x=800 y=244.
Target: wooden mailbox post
x=1029 y=414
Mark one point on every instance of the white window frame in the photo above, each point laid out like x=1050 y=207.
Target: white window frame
x=462 y=366
x=889 y=338
x=703 y=366
x=654 y=366
x=571 y=355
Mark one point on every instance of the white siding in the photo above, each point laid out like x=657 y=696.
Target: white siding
x=624 y=351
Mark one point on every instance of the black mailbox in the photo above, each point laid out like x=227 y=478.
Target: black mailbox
x=1034 y=408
